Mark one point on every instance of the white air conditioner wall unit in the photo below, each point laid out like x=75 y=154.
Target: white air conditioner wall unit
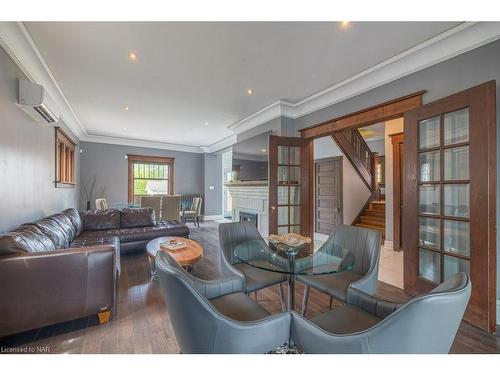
x=35 y=102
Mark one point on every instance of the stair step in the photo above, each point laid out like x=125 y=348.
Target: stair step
x=371 y=226
x=377 y=220
x=378 y=206
x=378 y=213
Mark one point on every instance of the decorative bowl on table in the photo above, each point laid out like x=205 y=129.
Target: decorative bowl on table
x=289 y=239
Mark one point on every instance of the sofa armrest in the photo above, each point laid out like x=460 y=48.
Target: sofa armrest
x=39 y=289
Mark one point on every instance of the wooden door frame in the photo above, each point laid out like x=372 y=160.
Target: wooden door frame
x=333 y=158
x=485 y=248
x=396 y=140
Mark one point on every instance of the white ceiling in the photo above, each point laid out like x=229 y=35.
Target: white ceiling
x=189 y=73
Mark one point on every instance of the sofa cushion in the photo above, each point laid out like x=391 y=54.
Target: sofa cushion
x=85 y=242
x=75 y=219
x=65 y=224
x=100 y=219
x=162 y=229
x=27 y=238
x=137 y=217
x=51 y=228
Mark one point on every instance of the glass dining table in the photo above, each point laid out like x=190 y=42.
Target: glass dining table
x=294 y=260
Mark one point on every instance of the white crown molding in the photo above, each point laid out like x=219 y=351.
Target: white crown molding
x=15 y=39
x=458 y=40
x=140 y=143
x=220 y=145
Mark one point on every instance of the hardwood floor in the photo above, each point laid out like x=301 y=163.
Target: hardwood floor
x=142 y=325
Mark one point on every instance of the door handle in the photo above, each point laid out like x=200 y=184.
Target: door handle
x=273 y=208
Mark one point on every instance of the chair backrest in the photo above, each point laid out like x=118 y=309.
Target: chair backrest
x=170 y=207
x=427 y=323
x=101 y=204
x=232 y=234
x=193 y=318
x=196 y=205
x=152 y=201
x=364 y=243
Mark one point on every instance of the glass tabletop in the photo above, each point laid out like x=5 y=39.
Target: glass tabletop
x=294 y=260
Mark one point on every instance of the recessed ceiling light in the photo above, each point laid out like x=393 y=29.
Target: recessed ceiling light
x=124 y=128
x=206 y=123
x=250 y=92
x=125 y=108
x=345 y=24
x=263 y=150
x=132 y=56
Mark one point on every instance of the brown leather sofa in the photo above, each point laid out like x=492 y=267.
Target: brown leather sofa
x=65 y=266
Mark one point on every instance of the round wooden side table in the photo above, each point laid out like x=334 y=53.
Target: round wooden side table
x=186 y=256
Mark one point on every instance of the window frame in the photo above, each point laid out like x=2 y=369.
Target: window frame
x=132 y=159
x=65 y=157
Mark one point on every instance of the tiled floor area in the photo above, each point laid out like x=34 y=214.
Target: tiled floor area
x=391 y=267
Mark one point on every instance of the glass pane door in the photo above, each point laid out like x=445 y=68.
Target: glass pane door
x=288 y=170
x=290 y=185
x=443 y=198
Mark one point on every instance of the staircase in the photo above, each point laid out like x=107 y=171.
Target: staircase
x=373 y=217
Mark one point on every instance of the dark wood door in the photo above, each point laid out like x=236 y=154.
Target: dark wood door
x=397 y=178
x=328 y=195
x=290 y=185
x=449 y=201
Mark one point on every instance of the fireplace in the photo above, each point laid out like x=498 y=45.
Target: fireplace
x=249 y=216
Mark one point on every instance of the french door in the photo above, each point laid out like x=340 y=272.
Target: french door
x=449 y=197
x=290 y=185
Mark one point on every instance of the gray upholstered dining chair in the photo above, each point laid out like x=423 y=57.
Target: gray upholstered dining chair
x=216 y=316
x=152 y=201
x=364 y=244
x=426 y=324
x=194 y=213
x=234 y=234
x=170 y=207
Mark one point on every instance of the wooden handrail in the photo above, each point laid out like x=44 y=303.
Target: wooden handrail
x=356 y=150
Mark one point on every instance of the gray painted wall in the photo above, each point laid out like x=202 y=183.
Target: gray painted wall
x=108 y=164
x=213 y=178
x=459 y=73
x=27 y=159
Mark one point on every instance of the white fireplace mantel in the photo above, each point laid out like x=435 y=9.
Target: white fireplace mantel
x=251 y=197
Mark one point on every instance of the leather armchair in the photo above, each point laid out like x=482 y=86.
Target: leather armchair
x=43 y=288
x=366 y=324
x=364 y=244
x=234 y=234
x=217 y=316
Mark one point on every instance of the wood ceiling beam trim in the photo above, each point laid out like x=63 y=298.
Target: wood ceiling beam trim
x=372 y=115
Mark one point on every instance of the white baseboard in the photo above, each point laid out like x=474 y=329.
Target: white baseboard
x=388 y=245
x=212 y=217
x=320 y=237
x=498 y=312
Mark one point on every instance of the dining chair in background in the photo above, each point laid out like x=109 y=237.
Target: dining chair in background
x=101 y=204
x=194 y=213
x=170 y=207
x=154 y=202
